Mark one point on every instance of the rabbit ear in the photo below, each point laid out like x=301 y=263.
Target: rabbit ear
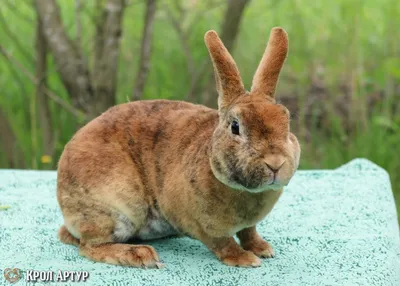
x=267 y=74
x=227 y=76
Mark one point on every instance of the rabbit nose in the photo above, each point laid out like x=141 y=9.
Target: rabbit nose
x=275 y=166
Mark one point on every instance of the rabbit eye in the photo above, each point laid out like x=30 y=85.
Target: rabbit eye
x=235 y=127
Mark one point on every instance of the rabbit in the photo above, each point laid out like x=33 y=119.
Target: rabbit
x=157 y=168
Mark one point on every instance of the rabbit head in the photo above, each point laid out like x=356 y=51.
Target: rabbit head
x=252 y=146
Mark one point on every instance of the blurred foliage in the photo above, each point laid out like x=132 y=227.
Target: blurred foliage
x=342 y=42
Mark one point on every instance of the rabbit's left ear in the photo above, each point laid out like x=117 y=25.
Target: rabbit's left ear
x=267 y=74
x=227 y=76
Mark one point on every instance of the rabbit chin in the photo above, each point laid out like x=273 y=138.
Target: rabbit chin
x=261 y=188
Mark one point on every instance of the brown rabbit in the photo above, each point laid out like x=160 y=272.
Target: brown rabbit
x=151 y=169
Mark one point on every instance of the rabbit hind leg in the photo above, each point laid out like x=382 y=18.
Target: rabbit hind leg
x=66 y=237
x=102 y=234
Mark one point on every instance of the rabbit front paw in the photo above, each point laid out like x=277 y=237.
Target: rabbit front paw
x=260 y=248
x=230 y=252
x=242 y=259
x=252 y=241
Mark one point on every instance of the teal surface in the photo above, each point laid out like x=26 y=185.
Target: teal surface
x=330 y=227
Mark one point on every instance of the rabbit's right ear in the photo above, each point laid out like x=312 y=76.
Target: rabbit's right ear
x=227 y=76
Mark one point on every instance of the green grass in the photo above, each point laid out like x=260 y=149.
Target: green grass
x=348 y=42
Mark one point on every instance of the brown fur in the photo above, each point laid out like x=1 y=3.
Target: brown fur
x=267 y=74
x=227 y=76
x=157 y=168
x=66 y=237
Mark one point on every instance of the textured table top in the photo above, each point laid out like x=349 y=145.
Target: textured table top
x=330 y=227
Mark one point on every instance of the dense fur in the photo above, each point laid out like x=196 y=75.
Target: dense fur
x=151 y=169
